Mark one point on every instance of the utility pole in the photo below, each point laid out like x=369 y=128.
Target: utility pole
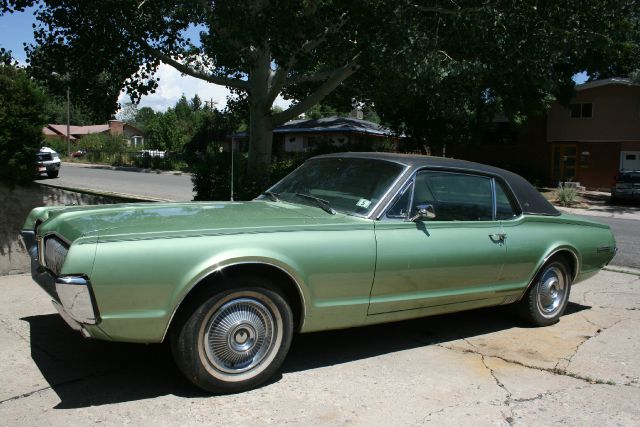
x=68 y=123
x=232 y=168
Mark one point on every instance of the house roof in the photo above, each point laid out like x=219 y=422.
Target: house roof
x=333 y=124
x=54 y=129
x=613 y=81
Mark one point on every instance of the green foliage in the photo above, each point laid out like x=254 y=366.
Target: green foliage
x=102 y=142
x=567 y=195
x=22 y=116
x=58 y=145
x=435 y=71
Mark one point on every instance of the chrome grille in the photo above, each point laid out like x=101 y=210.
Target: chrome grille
x=55 y=252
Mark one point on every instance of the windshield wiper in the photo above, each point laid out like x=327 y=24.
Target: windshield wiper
x=322 y=203
x=271 y=195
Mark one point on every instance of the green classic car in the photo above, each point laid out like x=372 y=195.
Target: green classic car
x=345 y=240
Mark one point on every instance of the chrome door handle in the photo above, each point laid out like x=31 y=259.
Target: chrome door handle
x=498 y=237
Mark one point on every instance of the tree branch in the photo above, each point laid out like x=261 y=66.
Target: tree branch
x=339 y=75
x=224 y=81
x=278 y=79
x=307 y=78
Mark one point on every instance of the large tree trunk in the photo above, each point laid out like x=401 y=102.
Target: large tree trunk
x=260 y=124
x=260 y=139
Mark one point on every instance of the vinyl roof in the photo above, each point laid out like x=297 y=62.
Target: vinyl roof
x=529 y=199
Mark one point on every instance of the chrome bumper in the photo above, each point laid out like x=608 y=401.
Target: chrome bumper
x=72 y=295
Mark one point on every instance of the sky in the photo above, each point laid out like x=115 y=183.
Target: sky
x=16 y=29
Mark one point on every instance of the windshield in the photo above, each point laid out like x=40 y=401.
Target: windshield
x=349 y=185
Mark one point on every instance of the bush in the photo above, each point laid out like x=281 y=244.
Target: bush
x=567 y=195
x=22 y=116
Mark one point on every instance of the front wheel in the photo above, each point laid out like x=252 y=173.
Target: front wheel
x=53 y=174
x=547 y=297
x=235 y=340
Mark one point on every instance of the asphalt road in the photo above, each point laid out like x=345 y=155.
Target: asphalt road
x=163 y=186
x=627 y=233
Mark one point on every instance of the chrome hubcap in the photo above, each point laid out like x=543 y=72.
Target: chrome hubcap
x=239 y=335
x=551 y=291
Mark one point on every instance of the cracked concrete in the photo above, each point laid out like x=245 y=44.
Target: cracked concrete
x=476 y=368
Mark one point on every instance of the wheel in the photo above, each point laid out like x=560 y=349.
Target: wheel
x=235 y=340
x=53 y=174
x=547 y=297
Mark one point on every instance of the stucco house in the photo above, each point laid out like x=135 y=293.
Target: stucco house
x=301 y=135
x=588 y=142
x=133 y=135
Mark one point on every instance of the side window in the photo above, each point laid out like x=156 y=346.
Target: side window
x=504 y=207
x=455 y=196
x=401 y=206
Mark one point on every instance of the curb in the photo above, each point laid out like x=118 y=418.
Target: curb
x=624 y=270
x=122 y=196
x=124 y=168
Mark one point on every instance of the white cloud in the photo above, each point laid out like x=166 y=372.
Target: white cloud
x=172 y=85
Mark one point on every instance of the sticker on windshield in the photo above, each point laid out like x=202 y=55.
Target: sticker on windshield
x=363 y=203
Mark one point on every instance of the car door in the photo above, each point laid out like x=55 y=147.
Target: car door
x=453 y=258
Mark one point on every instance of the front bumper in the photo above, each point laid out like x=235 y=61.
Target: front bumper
x=72 y=295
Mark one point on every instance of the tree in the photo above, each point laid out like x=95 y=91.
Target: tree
x=195 y=103
x=22 y=114
x=305 y=50
x=128 y=112
x=143 y=117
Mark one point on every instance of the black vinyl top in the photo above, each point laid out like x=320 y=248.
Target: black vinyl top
x=530 y=200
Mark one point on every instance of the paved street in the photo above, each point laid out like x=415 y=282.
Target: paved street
x=627 y=233
x=476 y=368
x=163 y=186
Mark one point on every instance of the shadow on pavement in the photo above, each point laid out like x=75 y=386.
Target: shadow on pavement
x=90 y=373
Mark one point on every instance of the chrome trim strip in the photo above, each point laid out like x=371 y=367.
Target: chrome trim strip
x=303 y=314
x=404 y=185
x=494 y=200
x=388 y=193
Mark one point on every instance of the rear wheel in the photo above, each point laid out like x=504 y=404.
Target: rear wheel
x=547 y=297
x=235 y=340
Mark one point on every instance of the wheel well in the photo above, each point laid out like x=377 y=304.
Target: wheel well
x=570 y=258
x=273 y=277
x=565 y=255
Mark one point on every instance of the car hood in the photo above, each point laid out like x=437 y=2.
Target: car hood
x=164 y=220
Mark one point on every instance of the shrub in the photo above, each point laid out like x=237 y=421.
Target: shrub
x=567 y=195
x=22 y=116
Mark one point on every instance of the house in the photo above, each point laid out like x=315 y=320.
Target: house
x=133 y=135
x=301 y=135
x=588 y=142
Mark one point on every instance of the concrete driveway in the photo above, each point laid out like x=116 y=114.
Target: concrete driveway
x=475 y=368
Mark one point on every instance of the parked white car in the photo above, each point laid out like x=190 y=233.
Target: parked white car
x=48 y=162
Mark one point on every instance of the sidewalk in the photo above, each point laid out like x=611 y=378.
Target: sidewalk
x=596 y=203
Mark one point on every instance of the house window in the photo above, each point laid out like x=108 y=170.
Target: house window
x=584 y=110
x=630 y=157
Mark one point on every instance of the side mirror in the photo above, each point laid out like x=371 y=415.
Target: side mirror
x=423 y=212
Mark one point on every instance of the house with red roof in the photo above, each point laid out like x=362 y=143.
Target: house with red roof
x=130 y=133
